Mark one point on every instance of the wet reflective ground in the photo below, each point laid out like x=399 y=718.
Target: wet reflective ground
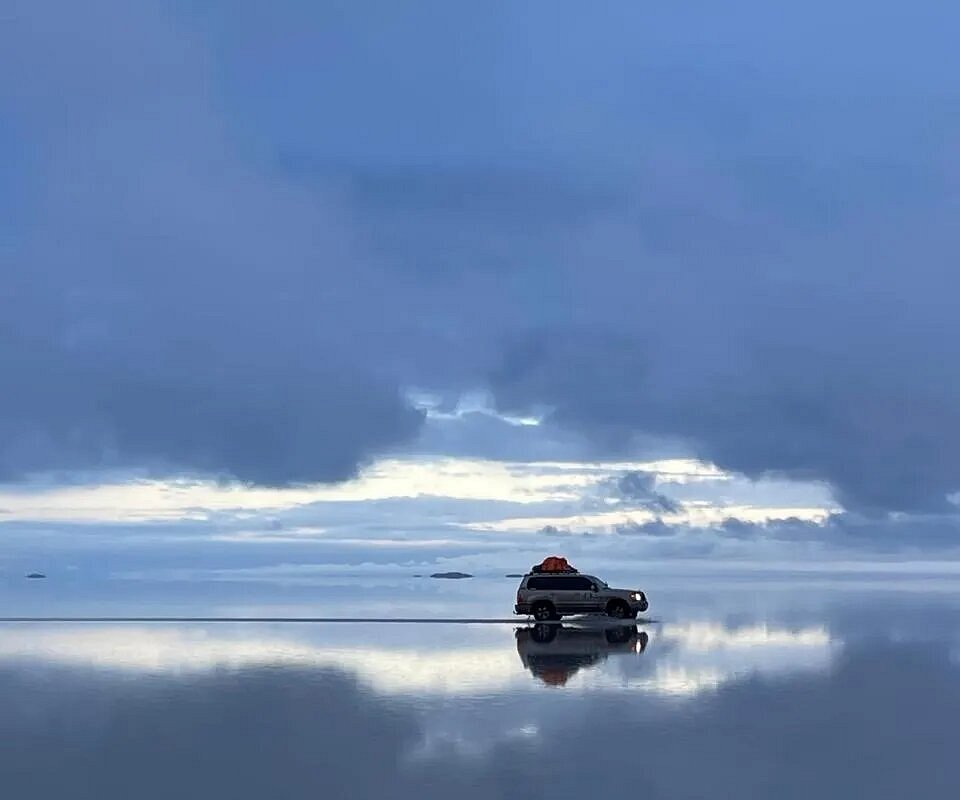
x=813 y=689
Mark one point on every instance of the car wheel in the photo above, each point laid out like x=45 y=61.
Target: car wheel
x=618 y=609
x=543 y=611
x=621 y=634
x=544 y=634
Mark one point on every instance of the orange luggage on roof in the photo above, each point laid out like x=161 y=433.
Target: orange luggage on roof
x=555 y=564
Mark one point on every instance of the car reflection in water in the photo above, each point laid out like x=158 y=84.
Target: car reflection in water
x=554 y=653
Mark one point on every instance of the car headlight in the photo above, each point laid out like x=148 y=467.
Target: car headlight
x=638 y=596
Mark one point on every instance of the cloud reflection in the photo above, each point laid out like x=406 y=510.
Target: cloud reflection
x=685 y=659
x=878 y=724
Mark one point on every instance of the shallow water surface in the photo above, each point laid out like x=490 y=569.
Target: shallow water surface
x=785 y=691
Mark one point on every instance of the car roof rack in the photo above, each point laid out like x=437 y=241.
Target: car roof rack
x=537 y=569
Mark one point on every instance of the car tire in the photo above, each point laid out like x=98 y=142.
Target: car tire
x=544 y=634
x=543 y=611
x=621 y=634
x=618 y=609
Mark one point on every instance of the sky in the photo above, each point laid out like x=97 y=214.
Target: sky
x=364 y=284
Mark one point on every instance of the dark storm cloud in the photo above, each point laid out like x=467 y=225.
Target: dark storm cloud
x=253 y=422
x=239 y=237
x=166 y=304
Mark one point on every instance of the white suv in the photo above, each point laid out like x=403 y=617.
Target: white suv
x=552 y=595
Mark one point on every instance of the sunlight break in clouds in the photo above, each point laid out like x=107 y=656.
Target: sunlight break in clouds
x=392 y=478
x=524 y=484
x=691 y=515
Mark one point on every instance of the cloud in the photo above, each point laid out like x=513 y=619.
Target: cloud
x=639 y=488
x=237 y=254
x=656 y=527
x=553 y=530
x=838 y=532
x=485 y=516
x=170 y=304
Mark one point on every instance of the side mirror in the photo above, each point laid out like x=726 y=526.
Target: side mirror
x=594 y=587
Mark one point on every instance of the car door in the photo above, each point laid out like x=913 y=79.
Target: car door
x=575 y=596
x=591 y=598
x=544 y=587
x=560 y=595
x=592 y=601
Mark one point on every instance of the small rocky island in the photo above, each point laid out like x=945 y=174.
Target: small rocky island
x=513 y=575
x=35 y=575
x=451 y=575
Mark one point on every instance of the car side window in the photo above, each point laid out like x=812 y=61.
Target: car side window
x=551 y=584
x=560 y=584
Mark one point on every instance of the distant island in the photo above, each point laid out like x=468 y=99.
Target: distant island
x=514 y=575
x=36 y=575
x=452 y=575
